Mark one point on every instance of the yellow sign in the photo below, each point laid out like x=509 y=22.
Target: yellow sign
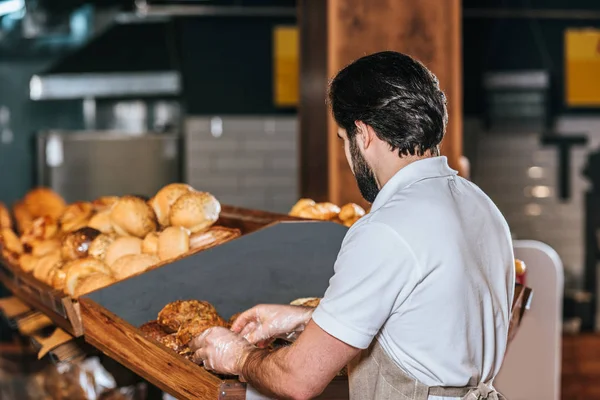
x=286 y=66
x=582 y=67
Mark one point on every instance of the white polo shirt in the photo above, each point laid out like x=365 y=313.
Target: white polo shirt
x=429 y=272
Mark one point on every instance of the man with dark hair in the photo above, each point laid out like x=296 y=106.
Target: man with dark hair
x=419 y=305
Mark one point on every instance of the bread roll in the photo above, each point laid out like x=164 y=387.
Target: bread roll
x=76 y=216
x=99 y=246
x=42 y=228
x=196 y=326
x=320 y=211
x=351 y=212
x=5 y=221
x=132 y=216
x=173 y=242
x=22 y=217
x=150 y=243
x=122 y=247
x=132 y=264
x=165 y=198
x=101 y=222
x=10 y=241
x=76 y=244
x=92 y=283
x=42 y=202
x=45 y=264
x=195 y=211
x=41 y=248
x=81 y=268
x=174 y=315
x=104 y=203
x=27 y=262
x=300 y=205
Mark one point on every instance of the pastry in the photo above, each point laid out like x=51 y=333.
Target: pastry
x=307 y=302
x=194 y=327
x=104 y=203
x=42 y=202
x=300 y=205
x=195 y=211
x=40 y=248
x=27 y=262
x=45 y=264
x=350 y=222
x=154 y=331
x=173 y=242
x=42 y=228
x=81 y=268
x=320 y=211
x=150 y=243
x=122 y=247
x=351 y=212
x=92 y=282
x=99 y=245
x=22 y=217
x=132 y=264
x=76 y=244
x=101 y=222
x=214 y=236
x=165 y=198
x=175 y=314
x=76 y=216
x=5 y=221
x=10 y=241
x=132 y=216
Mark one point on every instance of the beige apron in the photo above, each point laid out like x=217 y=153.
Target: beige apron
x=374 y=375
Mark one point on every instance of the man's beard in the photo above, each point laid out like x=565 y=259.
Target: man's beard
x=365 y=178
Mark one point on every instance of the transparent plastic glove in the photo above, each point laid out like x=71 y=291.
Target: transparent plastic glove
x=221 y=350
x=269 y=321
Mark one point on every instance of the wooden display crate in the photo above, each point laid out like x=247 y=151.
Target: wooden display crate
x=63 y=310
x=277 y=264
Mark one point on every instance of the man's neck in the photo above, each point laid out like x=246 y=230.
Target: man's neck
x=391 y=167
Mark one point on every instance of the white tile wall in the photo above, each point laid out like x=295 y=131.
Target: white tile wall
x=500 y=164
x=252 y=162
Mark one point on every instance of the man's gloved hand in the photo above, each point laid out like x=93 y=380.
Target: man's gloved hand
x=221 y=350
x=269 y=321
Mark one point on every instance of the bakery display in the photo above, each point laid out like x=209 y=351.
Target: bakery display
x=325 y=211
x=83 y=246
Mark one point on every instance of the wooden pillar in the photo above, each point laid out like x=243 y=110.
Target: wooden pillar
x=333 y=33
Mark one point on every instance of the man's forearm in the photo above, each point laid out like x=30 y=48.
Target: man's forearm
x=268 y=372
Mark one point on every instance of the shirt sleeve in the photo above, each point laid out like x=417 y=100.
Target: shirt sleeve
x=375 y=272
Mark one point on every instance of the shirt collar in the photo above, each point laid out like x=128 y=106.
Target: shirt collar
x=433 y=167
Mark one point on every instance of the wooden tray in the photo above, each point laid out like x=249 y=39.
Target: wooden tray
x=64 y=310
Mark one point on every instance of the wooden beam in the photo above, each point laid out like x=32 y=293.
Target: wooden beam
x=429 y=30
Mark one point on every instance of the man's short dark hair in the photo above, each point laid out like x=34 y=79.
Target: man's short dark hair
x=394 y=94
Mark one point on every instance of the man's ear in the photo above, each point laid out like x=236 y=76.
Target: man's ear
x=365 y=134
